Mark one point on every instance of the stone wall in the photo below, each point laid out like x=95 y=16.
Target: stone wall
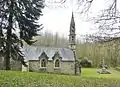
x=50 y=66
x=34 y=65
x=1 y=63
x=66 y=67
x=14 y=64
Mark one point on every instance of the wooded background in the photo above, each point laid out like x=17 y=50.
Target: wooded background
x=93 y=51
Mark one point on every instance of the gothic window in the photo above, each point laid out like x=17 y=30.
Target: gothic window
x=43 y=63
x=57 y=63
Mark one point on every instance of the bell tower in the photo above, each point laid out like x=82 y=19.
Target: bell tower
x=72 y=34
x=72 y=44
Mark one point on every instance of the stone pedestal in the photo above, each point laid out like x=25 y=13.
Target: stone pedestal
x=103 y=71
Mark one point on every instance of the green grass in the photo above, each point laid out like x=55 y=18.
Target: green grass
x=89 y=78
x=91 y=72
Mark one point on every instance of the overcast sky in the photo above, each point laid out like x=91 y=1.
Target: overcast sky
x=58 y=19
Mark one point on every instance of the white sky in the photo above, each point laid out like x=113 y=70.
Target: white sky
x=58 y=19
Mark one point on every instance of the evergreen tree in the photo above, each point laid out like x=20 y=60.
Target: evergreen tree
x=22 y=16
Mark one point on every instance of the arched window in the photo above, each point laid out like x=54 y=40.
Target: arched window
x=57 y=63
x=43 y=63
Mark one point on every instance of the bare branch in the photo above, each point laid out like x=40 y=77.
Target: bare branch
x=109 y=24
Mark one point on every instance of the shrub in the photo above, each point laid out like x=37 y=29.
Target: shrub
x=86 y=63
x=117 y=68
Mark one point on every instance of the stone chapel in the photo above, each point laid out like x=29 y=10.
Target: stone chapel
x=52 y=60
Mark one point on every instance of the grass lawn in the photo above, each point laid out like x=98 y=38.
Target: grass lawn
x=91 y=72
x=88 y=78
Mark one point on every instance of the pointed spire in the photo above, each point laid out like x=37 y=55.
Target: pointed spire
x=72 y=34
x=72 y=14
x=72 y=24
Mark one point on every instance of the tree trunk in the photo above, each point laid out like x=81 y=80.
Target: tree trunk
x=9 y=32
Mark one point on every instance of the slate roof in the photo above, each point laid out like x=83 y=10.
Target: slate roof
x=34 y=52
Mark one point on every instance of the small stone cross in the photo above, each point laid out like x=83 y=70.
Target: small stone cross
x=103 y=63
